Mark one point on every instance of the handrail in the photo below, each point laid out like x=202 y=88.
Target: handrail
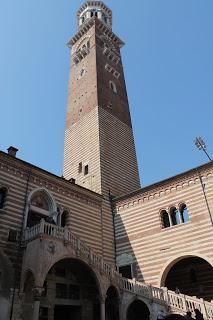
x=180 y=302
x=69 y=238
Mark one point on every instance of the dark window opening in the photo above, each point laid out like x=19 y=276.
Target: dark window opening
x=88 y=44
x=86 y=170
x=165 y=219
x=175 y=216
x=60 y=272
x=126 y=271
x=2 y=198
x=92 y=13
x=43 y=313
x=74 y=292
x=64 y=291
x=193 y=276
x=113 y=87
x=64 y=219
x=12 y=236
x=33 y=219
x=61 y=291
x=184 y=213
x=80 y=167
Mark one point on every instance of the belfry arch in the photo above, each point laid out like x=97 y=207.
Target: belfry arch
x=189 y=274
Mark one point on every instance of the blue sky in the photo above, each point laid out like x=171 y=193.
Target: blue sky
x=168 y=61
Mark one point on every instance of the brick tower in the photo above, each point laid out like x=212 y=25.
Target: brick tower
x=99 y=146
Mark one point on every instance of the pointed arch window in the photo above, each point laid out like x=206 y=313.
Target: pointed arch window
x=184 y=213
x=64 y=218
x=41 y=206
x=3 y=193
x=165 y=219
x=112 y=86
x=175 y=216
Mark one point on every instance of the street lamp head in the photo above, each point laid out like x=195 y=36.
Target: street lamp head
x=200 y=144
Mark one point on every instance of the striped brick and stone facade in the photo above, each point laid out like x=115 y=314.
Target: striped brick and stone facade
x=154 y=247
x=93 y=245
x=99 y=149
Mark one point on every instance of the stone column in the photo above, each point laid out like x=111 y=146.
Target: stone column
x=37 y=292
x=88 y=14
x=102 y=309
x=170 y=220
x=100 y=15
x=181 y=218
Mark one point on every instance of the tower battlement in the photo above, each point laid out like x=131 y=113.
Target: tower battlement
x=96 y=9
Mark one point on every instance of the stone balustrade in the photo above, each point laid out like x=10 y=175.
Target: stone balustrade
x=179 y=303
x=45 y=229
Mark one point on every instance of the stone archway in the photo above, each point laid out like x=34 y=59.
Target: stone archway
x=40 y=205
x=138 y=310
x=72 y=291
x=112 y=304
x=190 y=275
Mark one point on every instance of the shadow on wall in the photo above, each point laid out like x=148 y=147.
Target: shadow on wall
x=126 y=259
x=6 y=280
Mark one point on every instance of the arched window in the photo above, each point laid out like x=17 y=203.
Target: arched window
x=3 y=193
x=184 y=213
x=41 y=206
x=113 y=86
x=82 y=72
x=64 y=218
x=165 y=219
x=175 y=216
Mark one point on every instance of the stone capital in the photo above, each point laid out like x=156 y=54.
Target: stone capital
x=37 y=293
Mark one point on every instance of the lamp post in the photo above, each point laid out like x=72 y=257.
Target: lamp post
x=200 y=144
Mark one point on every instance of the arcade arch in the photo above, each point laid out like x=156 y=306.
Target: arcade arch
x=72 y=290
x=191 y=275
x=138 y=310
x=112 y=304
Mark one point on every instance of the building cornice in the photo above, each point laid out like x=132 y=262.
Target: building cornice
x=100 y=4
x=101 y=26
x=164 y=187
x=45 y=179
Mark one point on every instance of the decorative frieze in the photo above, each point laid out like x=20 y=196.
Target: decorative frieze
x=163 y=188
x=45 y=182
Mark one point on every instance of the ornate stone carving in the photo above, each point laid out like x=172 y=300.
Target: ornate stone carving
x=52 y=248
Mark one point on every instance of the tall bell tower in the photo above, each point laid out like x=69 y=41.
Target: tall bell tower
x=99 y=147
